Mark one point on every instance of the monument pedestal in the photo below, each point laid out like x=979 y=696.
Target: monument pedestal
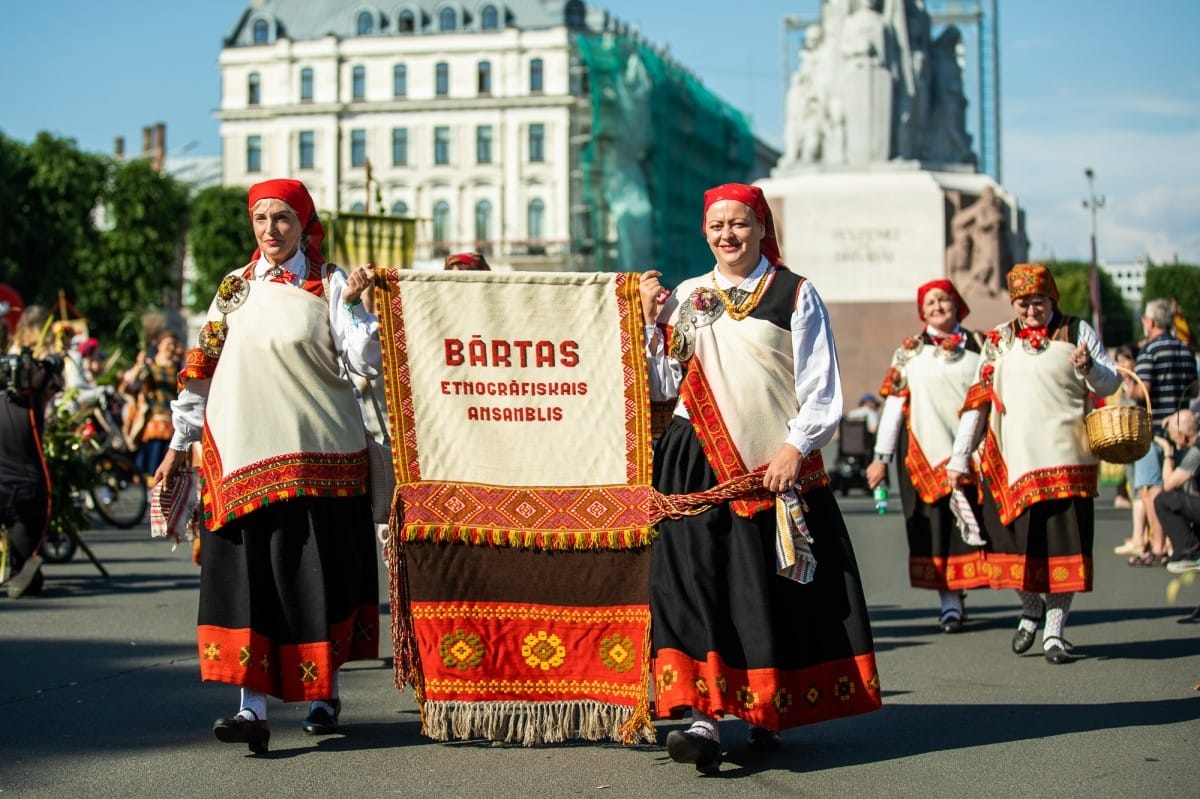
x=867 y=239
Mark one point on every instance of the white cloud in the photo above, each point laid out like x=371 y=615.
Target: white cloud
x=1150 y=182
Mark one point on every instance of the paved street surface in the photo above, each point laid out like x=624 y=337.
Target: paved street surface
x=100 y=697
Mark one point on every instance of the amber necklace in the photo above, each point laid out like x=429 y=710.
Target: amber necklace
x=740 y=310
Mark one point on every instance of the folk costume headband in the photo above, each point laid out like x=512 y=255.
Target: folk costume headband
x=752 y=197
x=296 y=195
x=961 y=309
x=1027 y=279
x=471 y=262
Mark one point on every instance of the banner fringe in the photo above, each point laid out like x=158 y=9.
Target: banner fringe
x=534 y=723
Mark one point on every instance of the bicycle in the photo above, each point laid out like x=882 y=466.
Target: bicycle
x=117 y=491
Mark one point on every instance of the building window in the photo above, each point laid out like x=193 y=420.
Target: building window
x=253 y=89
x=483 y=144
x=441 y=145
x=406 y=22
x=447 y=20
x=483 y=224
x=306 y=85
x=358 y=83
x=358 y=208
x=399 y=81
x=366 y=24
x=399 y=208
x=536 y=76
x=489 y=19
x=442 y=79
x=399 y=146
x=254 y=153
x=358 y=147
x=308 y=141
x=485 y=77
x=441 y=228
x=537 y=219
x=262 y=32
x=537 y=142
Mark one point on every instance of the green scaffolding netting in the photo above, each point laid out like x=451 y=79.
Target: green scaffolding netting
x=657 y=139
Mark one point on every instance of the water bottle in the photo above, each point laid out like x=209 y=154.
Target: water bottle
x=881 y=496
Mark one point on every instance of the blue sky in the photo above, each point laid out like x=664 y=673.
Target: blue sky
x=1109 y=84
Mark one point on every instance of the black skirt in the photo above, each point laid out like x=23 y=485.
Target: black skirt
x=1047 y=549
x=729 y=635
x=938 y=558
x=288 y=593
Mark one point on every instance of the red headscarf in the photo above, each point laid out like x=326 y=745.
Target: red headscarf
x=961 y=309
x=296 y=195
x=473 y=261
x=752 y=197
x=1027 y=279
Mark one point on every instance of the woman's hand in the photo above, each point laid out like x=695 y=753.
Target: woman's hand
x=1081 y=359
x=172 y=462
x=359 y=281
x=654 y=295
x=784 y=469
x=876 y=473
x=956 y=479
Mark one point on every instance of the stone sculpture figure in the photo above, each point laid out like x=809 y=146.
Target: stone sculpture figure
x=872 y=87
x=974 y=257
x=867 y=84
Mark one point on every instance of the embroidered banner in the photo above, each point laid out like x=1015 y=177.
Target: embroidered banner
x=520 y=419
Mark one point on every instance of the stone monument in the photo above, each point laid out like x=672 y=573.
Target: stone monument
x=878 y=190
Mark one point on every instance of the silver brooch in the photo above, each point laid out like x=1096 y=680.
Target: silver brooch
x=232 y=293
x=701 y=308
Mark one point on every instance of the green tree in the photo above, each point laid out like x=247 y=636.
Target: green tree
x=16 y=172
x=58 y=236
x=1116 y=318
x=220 y=239
x=1179 y=282
x=141 y=253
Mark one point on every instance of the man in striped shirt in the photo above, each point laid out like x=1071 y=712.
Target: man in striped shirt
x=1167 y=368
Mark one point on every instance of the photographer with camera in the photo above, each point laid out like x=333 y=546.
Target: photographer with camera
x=26 y=383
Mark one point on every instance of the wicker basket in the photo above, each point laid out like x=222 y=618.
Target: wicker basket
x=1120 y=433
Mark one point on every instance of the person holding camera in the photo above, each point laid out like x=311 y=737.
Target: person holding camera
x=25 y=385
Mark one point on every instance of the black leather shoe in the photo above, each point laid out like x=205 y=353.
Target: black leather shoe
x=1022 y=639
x=761 y=739
x=690 y=747
x=320 y=721
x=1057 y=653
x=238 y=730
x=951 y=621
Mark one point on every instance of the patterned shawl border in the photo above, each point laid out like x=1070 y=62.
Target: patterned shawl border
x=275 y=480
x=1039 y=485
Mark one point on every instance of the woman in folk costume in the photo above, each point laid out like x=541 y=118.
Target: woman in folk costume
x=288 y=586
x=924 y=389
x=1039 y=476
x=748 y=350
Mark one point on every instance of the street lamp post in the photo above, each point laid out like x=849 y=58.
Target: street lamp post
x=1092 y=203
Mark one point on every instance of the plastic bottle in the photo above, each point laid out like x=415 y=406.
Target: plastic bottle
x=881 y=498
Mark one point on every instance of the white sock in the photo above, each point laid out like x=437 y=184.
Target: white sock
x=1031 y=610
x=255 y=702
x=705 y=725
x=1057 y=608
x=951 y=600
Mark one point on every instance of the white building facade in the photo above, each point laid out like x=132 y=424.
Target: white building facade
x=461 y=121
